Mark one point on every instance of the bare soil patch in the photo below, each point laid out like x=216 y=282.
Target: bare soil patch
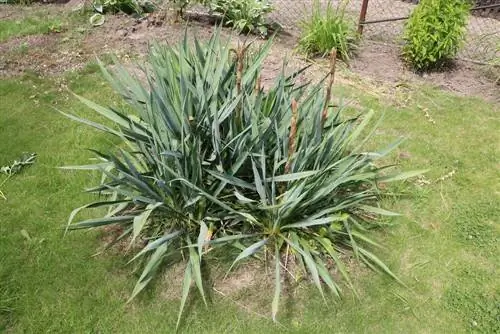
x=129 y=37
x=15 y=12
x=44 y=54
x=382 y=62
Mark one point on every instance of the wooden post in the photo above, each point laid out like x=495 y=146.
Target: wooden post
x=362 y=16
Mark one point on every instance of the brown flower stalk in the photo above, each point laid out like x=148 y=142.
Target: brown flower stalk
x=292 y=136
x=257 y=85
x=333 y=61
x=240 y=54
x=240 y=59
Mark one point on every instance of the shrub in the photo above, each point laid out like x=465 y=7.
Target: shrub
x=326 y=29
x=244 y=15
x=435 y=32
x=211 y=161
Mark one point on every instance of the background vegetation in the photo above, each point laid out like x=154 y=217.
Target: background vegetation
x=435 y=32
x=327 y=28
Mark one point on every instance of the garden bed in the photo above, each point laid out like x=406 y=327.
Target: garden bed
x=444 y=247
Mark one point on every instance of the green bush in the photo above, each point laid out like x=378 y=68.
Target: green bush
x=212 y=161
x=244 y=15
x=435 y=32
x=328 y=28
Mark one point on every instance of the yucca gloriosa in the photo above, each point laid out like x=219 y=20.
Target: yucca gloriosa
x=212 y=160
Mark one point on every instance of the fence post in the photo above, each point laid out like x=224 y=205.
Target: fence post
x=362 y=16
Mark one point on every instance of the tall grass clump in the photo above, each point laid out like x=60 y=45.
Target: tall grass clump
x=210 y=162
x=328 y=28
x=7 y=299
x=435 y=32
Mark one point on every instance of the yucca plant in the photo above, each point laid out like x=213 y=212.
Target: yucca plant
x=211 y=160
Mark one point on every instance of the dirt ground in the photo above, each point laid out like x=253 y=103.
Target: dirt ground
x=381 y=62
x=376 y=64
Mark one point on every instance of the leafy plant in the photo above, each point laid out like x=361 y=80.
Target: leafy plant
x=181 y=5
x=130 y=7
x=56 y=27
x=435 y=32
x=212 y=161
x=125 y=6
x=244 y=15
x=25 y=160
x=326 y=29
x=97 y=20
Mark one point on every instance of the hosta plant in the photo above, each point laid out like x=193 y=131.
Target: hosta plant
x=210 y=162
x=125 y=6
x=435 y=32
x=243 y=15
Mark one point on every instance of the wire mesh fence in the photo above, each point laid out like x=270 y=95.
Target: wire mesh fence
x=385 y=20
x=290 y=13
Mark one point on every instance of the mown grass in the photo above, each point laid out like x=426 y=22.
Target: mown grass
x=29 y=26
x=38 y=21
x=444 y=248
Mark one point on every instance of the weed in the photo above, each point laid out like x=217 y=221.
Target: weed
x=493 y=67
x=479 y=308
x=24 y=47
x=25 y=160
x=475 y=225
x=55 y=27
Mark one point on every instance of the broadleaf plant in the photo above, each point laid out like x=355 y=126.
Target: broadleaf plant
x=212 y=160
x=243 y=15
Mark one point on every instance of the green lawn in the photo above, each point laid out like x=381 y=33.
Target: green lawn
x=445 y=247
x=33 y=21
